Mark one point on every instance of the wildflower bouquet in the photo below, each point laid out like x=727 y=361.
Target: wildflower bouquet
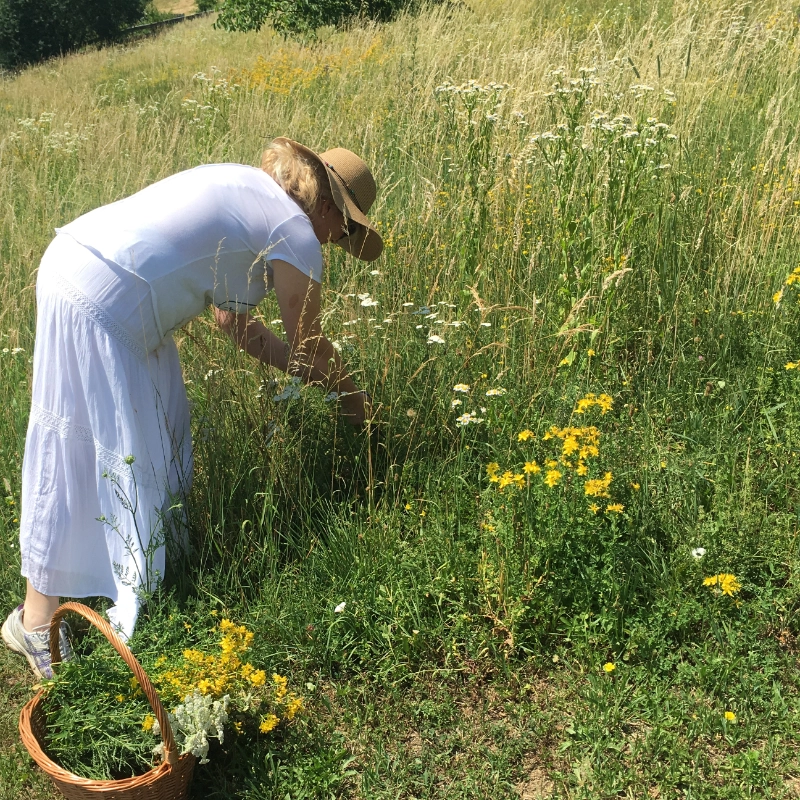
x=100 y=726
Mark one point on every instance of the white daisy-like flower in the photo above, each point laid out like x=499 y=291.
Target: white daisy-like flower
x=495 y=392
x=461 y=387
x=455 y=403
x=407 y=305
x=698 y=552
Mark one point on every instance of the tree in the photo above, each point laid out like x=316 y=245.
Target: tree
x=32 y=30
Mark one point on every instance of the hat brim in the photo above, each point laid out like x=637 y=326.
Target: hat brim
x=366 y=243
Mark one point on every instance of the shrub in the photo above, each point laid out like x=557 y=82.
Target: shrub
x=33 y=30
x=303 y=17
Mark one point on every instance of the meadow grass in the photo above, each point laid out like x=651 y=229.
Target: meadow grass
x=595 y=198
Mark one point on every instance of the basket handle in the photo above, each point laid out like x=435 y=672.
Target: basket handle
x=170 y=748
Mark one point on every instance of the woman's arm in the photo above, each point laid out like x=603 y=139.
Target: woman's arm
x=308 y=354
x=254 y=338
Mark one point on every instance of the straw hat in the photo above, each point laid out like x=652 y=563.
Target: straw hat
x=353 y=190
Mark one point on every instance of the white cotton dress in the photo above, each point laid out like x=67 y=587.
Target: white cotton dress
x=108 y=449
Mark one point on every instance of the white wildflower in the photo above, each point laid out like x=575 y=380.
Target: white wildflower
x=341 y=607
x=698 y=552
x=470 y=418
x=461 y=387
x=434 y=339
x=193 y=722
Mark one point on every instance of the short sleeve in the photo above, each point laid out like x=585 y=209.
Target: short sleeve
x=295 y=242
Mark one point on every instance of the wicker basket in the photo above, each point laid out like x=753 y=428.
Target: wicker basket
x=169 y=781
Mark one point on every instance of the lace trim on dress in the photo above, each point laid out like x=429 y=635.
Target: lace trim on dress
x=67 y=429
x=95 y=312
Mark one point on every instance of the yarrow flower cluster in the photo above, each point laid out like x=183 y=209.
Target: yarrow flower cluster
x=193 y=722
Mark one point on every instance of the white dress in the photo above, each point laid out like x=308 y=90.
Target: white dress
x=108 y=452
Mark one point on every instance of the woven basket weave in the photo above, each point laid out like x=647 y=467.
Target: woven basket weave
x=168 y=781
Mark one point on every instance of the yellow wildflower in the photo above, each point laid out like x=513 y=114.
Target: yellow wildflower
x=590 y=352
x=582 y=469
x=258 y=678
x=148 y=723
x=552 y=478
x=635 y=487
x=519 y=480
x=531 y=468
x=120 y=698
x=777 y=297
x=491 y=470
x=724 y=583
x=730 y=716
x=598 y=487
x=280 y=687
x=615 y=508
x=594 y=508
x=570 y=446
x=609 y=667
x=506 y=479
x=523 y=436
x=293 y=707
x=793 y=365
x=269 y=723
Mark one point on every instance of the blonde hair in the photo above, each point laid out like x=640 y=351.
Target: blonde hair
x=302 y=178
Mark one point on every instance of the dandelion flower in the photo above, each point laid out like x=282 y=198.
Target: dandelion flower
x=609 y=667
x=730 y=716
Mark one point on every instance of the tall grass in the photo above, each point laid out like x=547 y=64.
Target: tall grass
x=595 y=198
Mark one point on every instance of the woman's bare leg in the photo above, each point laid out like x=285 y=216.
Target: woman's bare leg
x=39 y=609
